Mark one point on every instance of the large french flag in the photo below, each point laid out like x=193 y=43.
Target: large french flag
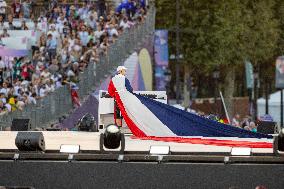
x=152 y=120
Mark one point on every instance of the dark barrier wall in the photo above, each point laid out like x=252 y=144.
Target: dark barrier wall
x=140 y=175
x=89 y=106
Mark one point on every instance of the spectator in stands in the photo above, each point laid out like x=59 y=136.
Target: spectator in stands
x=54 y=32
x=3 y=6
x=92 y=22
x=83 y=34
x=5 y=33
x=3 y=108
x=3 y=98
x=24 y=26
x=83 y=11
x=5 y=90
x=10 y=22
x=71 y=27
x=128 y=6
x=2 y=21
x=104 y=45
x=16 y=8
x=53 y=67
x=99 y=32
x=42 y=41
x=101 y=7
x=253 y=127
x=26 y=8
x=236 y=121
x=112 y=31
x=51 y=45
x=124 y=24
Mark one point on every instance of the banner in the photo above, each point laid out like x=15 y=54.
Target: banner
x=161 y=58
x=249 y=75
x=12 y=52
x=279 y=72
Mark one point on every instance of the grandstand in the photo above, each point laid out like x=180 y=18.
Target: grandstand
x=54 y=68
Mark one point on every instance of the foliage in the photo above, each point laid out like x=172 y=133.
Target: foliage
x=224 y=33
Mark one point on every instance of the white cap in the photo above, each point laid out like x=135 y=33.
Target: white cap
x=119 y=68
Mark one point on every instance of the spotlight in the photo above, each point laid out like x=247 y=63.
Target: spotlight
x=87 y=123
x=70 y=148
x=159 y=150
x=30 y=141
x=237 y=151
x=278 y=143
x=112 y=138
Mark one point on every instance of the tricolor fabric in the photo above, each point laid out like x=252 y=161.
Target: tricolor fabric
x=149 y=119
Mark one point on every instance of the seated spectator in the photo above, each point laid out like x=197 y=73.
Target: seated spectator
x=236 y=121
x=10 y=23
x=253 y=127
x=4 y=34
x=24 y=26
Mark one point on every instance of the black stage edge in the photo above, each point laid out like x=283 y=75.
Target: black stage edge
x=141 y=171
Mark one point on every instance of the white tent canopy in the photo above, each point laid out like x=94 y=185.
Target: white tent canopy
x=273 y=106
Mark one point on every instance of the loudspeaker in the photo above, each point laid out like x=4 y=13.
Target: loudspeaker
x=21 y=125
x=278 y=144
x=266 y=127
x=30 y=141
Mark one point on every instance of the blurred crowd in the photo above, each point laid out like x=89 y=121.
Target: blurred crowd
x=77 y=35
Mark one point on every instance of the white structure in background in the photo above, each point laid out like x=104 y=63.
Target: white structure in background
x=273 y=104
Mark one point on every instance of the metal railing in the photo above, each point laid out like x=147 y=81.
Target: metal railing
x=59 y=103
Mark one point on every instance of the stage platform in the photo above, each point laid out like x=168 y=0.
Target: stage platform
x=188 y=165
x=89 y=141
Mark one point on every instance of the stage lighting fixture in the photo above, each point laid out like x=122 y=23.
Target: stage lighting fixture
x=278 y=143
x=159 y=150
x=30 y=141
x=112 y=137
x=87 y=123
x=69 y=148
x=236 y=151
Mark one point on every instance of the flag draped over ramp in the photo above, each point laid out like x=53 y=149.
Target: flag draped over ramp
x=149 y=119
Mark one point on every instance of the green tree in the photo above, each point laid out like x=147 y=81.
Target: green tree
x=222 y=34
